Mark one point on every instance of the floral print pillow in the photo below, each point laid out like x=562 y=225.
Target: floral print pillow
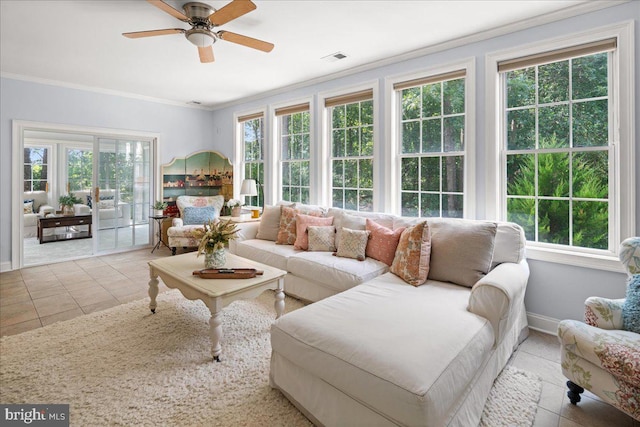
x=287 y=231
x=630 y=255
x=411 y=261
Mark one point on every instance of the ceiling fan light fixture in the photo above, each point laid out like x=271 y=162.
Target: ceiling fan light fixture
x=200 y=37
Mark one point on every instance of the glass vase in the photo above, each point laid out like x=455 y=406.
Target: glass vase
x=215 y=258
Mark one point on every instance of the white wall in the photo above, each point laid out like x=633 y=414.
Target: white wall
x=182 y=130
x=555 y=291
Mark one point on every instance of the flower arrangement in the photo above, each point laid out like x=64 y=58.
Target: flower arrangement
x=215 y=235
x=232 y=203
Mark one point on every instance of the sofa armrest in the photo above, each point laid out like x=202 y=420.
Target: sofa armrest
x=46 y=209
x=80 y=209
x=603 y=313
x=246 y=231
x=497 y=296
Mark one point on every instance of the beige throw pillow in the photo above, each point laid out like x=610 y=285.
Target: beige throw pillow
x=353 y=244
x=269 y=223
x=322 y=238
x=461 y=250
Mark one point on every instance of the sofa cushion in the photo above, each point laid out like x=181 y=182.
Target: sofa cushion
x=461 y=250
x=304 y=221
x=334 y=272
x=352 y=243
x=198 y=215
x=322 y=238
x=379 y=354
x=266 y=252
x=269 y=223
x=411 y=261
x=382 y=242
x=381 y=218
x=631 y=306
x=199 y=201
x=27 y=207
x=287 y=230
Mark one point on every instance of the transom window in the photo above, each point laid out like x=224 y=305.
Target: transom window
x=558 y=145
x=351 y=125
x=295 y=152
x=252 y=128
x=432 y=145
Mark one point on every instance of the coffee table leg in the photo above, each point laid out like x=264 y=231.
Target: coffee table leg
x=215 y=331
x=153 y=289
x=279 y=304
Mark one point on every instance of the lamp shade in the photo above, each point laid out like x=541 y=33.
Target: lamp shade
x=249 y=188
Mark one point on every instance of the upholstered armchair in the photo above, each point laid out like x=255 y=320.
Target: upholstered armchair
x=602 y=355
x=195 y=211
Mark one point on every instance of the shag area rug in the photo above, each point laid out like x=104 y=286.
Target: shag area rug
x=125 y=366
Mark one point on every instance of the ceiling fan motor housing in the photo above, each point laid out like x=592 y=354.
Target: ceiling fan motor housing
x=200 y=34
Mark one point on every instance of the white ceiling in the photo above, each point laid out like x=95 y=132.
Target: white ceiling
x=80 y=42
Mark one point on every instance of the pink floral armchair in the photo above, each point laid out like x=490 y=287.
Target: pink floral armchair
x=195 y=211
x=599 y=355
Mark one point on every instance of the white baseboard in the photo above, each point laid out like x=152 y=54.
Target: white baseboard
x=541 y=323
x=5 y=266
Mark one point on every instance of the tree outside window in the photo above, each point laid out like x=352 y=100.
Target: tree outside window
x=79 y=169
x=558 y=151
x=432 y=136
x=352 y=155
x=295 y=154
x=253 y=145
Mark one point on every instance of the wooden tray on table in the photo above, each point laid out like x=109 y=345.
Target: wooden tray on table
x=228 y=273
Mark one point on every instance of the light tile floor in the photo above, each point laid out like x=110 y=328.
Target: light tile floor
x=38 y=296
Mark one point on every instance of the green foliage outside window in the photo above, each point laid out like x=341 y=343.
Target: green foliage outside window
x=432 y=149
x=558 y=151
x=296 y=152
x=352 y=155
x=254 y=157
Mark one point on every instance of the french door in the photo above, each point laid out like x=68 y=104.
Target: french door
x=122 y=172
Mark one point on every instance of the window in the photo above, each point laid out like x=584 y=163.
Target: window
x=36 y=168
x=558 y=145
x=295 y=152
x=79 y=168
x=432 y=145
x=252 y=128
x=351 y=127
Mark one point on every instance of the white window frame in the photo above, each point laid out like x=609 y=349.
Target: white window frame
x=622 y=164
x=238 y=154
x=277 y=147
x=326 y=172
x=394 y=148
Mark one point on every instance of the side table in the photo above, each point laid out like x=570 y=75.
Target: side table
x=159 y=219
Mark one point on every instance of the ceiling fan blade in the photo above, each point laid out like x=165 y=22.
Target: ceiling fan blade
x=246 y=41
x=151 y=33
x=170 y=10
x=233 y=10
x=206 y=54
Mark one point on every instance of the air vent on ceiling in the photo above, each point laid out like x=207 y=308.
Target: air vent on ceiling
x=334 y=57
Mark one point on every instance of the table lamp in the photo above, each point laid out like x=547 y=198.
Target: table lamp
x=250 y=188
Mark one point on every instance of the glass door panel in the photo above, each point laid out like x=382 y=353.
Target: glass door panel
x=122 y=194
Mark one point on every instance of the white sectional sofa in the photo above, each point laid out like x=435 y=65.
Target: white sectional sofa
x=375 y=350
x=112 y=214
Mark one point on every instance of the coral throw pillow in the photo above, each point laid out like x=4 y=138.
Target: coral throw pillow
x=411 y=262
x=304 y=221
x=383 y=242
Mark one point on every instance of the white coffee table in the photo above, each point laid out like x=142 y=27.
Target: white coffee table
x=177 y=272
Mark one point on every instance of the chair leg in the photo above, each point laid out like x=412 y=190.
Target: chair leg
x=173 y=250
x=574 y=392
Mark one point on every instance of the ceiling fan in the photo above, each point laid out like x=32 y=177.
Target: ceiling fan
x=203 y=20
